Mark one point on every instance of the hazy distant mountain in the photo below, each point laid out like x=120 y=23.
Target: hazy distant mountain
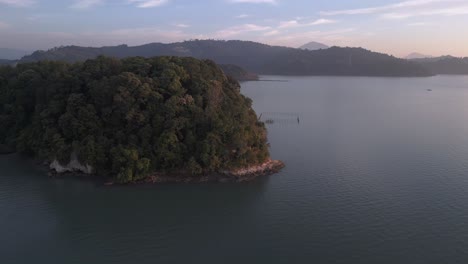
x=444 y=64
x=254 y=57
x=314 y=46
x=7 y=62
x=416 y=55
x=12 y=54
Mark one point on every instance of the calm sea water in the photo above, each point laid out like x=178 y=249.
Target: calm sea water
x=377 y=172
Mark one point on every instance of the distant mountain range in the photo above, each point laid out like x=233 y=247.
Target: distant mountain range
x=314 y=46
x=7 y=62
x=444 y=64
x=12 y=54
x=254 y=57
x=416 y=55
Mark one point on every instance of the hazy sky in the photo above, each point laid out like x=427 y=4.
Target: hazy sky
x=435 y=27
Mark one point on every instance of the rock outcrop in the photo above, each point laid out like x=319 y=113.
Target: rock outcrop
x=73 y=166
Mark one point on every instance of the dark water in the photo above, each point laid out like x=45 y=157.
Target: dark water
x=377 y=172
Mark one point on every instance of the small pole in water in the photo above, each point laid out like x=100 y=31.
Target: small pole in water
x=298 y=120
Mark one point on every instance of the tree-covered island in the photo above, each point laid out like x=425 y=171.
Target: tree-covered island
x=160 y=119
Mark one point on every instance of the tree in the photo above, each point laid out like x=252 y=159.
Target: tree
x=128 y=118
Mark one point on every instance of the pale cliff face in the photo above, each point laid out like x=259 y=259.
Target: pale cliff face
x=73 y=166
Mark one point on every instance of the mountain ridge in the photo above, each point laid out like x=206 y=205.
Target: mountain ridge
x=445 y=64
x=253 y=57
x=313 y=45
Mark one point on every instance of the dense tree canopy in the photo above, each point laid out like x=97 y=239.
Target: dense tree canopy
x=130 y=117
x=238 y=73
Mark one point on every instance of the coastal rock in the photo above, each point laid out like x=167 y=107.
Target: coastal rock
x=73 y=166
x=268 y=167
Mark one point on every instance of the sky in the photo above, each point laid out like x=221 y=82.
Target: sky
x=397 y=27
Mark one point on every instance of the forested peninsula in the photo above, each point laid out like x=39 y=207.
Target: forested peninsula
x=161 y=119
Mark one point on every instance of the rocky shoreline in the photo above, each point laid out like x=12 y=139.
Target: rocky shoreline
x=240 y=175
x=229 y=176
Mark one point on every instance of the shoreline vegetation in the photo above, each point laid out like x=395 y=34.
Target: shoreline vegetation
x=247 y=174
x=125 y=119
x=242 y=175
x=238 y=73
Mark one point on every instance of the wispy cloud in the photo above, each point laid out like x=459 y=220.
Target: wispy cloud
x=243 y=16
x=289 y=24
x=237 y=30
x=297 y=23
x=18 y=3
x=272 y=33
x=387 y=8
x=182 y=25
x=84 y=4
x=452 y=11
x=273 y=2
x=149 y=3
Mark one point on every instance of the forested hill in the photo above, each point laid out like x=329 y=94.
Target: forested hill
x=128 y=118
x=253 y=57
x=238 y=73
x=444 y=65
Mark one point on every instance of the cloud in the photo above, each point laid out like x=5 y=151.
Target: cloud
x=452 y=11
x=386 y=8
x=237 y=30
x=18 y=3
x=182 y=25
x=322 y=21
x=149 y=3
x=242 y=16
x=271 y=33
x=273 y=2
x=296 y=23
x=289 y=24
x=84 y=4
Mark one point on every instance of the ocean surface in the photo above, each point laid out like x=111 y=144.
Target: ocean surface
x=376 y=172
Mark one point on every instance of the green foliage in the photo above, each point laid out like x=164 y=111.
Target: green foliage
x=128 y=118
